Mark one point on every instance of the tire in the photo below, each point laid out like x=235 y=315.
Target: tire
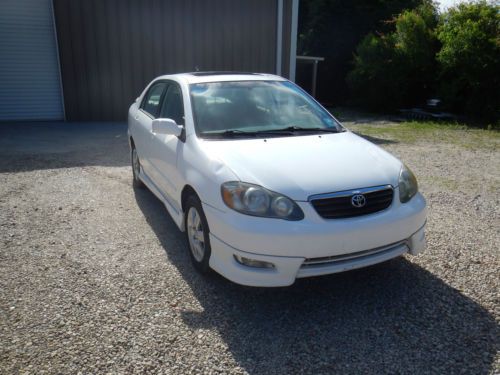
x=136 y=167
x=197 y=229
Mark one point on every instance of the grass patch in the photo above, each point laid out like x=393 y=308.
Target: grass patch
x=416 y=131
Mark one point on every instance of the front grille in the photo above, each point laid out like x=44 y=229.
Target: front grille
x=339 y=205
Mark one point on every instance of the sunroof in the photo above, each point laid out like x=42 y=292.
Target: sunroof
x=215 y=73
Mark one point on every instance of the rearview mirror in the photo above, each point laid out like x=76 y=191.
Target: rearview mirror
x=166 y=126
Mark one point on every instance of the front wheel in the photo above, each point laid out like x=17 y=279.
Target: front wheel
x=197 y=234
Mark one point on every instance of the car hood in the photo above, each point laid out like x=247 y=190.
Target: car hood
x=301 y=166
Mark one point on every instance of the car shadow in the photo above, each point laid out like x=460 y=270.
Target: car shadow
x=392 y=318
x=28 y=146
x=376 y=140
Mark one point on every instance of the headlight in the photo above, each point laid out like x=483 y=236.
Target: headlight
x=408 y=186
x=257 y=201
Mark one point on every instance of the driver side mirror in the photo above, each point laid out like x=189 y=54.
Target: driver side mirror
x=166 y=126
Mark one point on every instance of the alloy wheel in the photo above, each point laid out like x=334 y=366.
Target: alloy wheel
x=195 y=234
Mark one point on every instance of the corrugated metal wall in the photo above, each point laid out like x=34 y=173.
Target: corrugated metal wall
x=110 y=49
x=30 y=87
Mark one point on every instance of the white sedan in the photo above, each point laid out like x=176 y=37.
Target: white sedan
x=267 y=184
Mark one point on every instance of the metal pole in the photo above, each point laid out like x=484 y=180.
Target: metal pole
x=293 y=40
x=279 y=37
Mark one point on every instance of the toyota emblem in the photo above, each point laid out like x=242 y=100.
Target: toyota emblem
x=358 y=200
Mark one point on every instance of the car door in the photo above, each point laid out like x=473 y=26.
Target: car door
x=165 y=148
x=149 y=110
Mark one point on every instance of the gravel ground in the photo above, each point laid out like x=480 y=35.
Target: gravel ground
x=95 y=277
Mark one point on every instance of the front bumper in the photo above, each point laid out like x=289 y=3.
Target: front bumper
x=313 y=246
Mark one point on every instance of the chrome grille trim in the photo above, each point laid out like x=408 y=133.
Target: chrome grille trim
x=348 y=193
x=338 y=205
x=311 y=262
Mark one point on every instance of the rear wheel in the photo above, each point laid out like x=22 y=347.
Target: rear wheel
x=136 y=169
x=197 y=234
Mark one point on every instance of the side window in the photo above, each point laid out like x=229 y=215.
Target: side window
x=172 y=106
x=152 y=100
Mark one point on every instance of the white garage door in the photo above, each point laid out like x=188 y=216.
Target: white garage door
x=30 y=87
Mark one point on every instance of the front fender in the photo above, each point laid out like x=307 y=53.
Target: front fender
x=204 y=174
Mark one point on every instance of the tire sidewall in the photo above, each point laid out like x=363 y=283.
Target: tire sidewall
x=135 y=179
x=203 y=265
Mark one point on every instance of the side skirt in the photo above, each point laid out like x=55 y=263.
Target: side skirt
x=177 y=215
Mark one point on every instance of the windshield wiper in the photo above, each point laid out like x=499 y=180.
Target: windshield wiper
x=301 y=129
x=291 y=130
x=228 y=133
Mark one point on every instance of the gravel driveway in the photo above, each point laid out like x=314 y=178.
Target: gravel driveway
x=96 y=278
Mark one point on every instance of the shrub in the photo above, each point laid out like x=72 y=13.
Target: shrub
x=333 y=29
x=470 y=59
x=370 y=81
x=399 y=68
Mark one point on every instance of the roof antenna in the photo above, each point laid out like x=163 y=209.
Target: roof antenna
x=196 y=68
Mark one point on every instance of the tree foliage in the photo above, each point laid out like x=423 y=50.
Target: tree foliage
x=386 y=54
x=333 y=28
x=456 y=56
x=397 y=68
x=470 y=58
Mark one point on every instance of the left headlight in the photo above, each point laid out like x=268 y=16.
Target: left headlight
x=408 y=185
x=255 y=200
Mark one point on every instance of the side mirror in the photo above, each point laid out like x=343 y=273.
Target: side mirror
x=166 y=126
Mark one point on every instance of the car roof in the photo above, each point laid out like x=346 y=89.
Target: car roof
x=201 y=77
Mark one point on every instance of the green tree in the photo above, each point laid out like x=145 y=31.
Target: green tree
x=332 y=29
x=397 y=68
x=370 y=81
x=470 y=58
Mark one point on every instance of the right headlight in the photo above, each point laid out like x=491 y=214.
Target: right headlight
x=255 y=200
x=408 y=185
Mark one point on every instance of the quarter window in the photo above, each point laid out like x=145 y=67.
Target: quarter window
x=152 y=101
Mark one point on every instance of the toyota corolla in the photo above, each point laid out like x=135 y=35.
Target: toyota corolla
x=266 y=184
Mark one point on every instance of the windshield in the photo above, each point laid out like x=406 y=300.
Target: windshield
x=250 y=108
